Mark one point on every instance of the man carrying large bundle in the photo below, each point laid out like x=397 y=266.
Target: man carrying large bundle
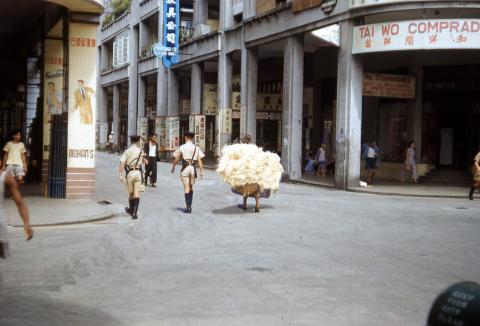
x=250 y=171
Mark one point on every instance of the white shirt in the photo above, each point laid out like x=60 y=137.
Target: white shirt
x=187 y=151
x=152 y=150
x=371 y=152
x=321 y=155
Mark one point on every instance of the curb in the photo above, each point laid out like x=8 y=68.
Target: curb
x=407 y=195
x=95 y=218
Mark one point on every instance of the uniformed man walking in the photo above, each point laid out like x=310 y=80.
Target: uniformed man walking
x=131 y=164
x=189 y=154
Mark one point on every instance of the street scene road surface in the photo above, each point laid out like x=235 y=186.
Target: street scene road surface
x=312 y=256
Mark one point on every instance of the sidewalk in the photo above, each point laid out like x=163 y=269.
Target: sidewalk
x=49 y=212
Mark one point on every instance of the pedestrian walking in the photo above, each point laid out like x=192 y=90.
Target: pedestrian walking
x=8 y=182
x=321 y=159
x=110 y=142
x=410 y=166
x=15 y=158
x=131 y=165
x=370 y=155
x=151 y=149
x=189 y=154
x=476 y=175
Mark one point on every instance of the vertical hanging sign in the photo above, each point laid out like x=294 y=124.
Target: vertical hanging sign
x=171 y=18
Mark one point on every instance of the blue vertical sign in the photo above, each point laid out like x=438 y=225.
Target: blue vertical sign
x=171 y=27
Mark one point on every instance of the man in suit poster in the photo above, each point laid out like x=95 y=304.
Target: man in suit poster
x=83 y=96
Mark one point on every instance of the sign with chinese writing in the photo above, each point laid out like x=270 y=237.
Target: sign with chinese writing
x=210 y=99
x=171 y=19
x=226 y=119
x=172 y=133
x=142 y=129
x=417 y=35
x=363 y=3
x=82 y=84
x=52 y=89
x=394 y=86
x=197 y=125
x=161 y=131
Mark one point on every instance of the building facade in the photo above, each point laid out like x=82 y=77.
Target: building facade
x=298 y=74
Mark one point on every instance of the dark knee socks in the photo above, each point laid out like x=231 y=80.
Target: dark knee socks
x=136 y=203
x=189 y=198
x=472 y=190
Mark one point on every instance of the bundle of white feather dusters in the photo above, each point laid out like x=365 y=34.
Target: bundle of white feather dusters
x=243 y=164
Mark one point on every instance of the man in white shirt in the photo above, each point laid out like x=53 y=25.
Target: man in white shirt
x=151 y=149
x=189 y=154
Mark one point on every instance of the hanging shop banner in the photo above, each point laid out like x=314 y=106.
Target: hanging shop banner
x=172 y=133
x=393 y=86
x=210 y=99
x=81 y=95
x=417 y=35
x=142 y=130
x=226 y=120
x=197 y=125
x=171 y=27
x=161 y=131
x=53 y=88
x=365 y=3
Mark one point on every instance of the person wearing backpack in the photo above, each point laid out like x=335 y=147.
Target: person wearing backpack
x=130 y=170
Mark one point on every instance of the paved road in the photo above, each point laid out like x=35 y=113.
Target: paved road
x=312 y=257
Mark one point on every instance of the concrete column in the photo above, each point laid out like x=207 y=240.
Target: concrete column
x=224 y=117
x=142 y=87
x=349 y=112
x=116 y=115
x=162 y=92
x=103 y=58
x=248 y=96
x=173 y=93
x=249 y=8
x=200 y=12
x=416 y=111
x=143 y=37
x=197 y=87
x=102 y=115
x=132 y=82
x=292 y=107
x=226 y=14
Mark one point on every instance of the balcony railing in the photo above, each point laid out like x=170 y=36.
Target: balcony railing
x=114 y=74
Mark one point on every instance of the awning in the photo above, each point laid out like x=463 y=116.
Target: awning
x=90 y=6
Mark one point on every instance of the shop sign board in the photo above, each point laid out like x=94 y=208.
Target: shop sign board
x=81 y=95
x=210 y=99
x=226 y=118
x=430 y=34
x=53 y=88
x=172 y=131
x=161 y=131
x=385 y=85
x=142 y=129
x=171 y=33
x=197 y=125
x=365 y=3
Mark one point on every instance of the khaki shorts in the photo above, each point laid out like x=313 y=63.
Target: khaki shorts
x=134 y=180
x=15 y=170
x=188 y=176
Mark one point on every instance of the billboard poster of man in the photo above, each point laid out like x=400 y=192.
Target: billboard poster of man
x=54 y=99
x=83 y=102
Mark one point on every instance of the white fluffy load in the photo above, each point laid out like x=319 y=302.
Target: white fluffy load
x=244 y=164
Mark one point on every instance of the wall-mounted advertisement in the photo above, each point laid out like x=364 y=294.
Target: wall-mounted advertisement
x=171 y=28
x=161 y=131
x=210 y=101
x=53 y=88
x=81 y=95
x=142 y=129
x=172 y=133
x=392 y=86
x=430 y=34
x=197 y=125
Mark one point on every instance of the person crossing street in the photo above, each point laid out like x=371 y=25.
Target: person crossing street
x=151 y=149
x=131 y=164
x=189 y=154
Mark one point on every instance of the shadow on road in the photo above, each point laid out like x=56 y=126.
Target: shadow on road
x=33 y=310
x=235 y=210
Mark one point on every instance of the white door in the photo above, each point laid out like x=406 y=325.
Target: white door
x=446 y=146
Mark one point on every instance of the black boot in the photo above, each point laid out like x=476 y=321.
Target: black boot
x=136 y=203
x=470 y=195
x=190 y=197
x=129 y=209
x=187 y=203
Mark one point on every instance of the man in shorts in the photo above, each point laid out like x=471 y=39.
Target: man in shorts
x=14 y=157
x=189 y=154
x=131 y=161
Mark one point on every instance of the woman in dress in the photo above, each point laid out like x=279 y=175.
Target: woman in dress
x=410 y=163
